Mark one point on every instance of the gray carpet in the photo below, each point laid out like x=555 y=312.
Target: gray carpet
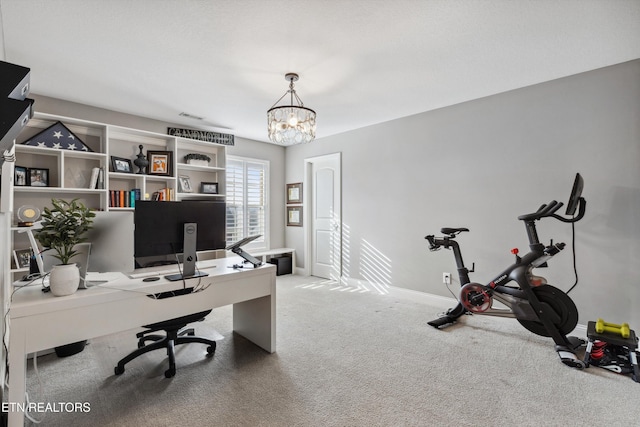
x=346 y=357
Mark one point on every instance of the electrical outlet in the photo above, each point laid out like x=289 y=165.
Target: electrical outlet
x=446 y=278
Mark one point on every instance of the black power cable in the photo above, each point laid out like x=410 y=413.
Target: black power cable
x=573 y=251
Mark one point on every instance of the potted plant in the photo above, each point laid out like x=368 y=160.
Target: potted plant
x=63 y=227
x=197 y=159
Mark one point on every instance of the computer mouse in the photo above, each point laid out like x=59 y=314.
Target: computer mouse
x=151 y=279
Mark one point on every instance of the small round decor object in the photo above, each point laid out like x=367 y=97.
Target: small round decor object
x=27 y=215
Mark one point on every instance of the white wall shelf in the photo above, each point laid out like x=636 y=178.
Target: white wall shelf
x=70 y=170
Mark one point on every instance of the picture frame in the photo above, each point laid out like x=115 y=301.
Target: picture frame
x=160 y=163
x=38 y=177
x=184 y=184
x=294 y=193
x=294 y=216
x=122 y=165
x=20 y=176
x=209 y=187
x=22 y=257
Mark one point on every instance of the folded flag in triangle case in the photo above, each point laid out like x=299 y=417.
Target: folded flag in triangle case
x=59 y=137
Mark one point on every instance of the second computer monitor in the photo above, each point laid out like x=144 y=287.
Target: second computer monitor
x=160 y=228
x=111 y=238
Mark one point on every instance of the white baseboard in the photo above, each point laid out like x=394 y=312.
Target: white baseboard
x=427 y=298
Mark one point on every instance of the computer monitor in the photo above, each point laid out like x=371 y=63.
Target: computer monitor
x=108 y=246
x=111 y=238
x=172 y=229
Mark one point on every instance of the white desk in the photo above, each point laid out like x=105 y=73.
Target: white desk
x=39 y=321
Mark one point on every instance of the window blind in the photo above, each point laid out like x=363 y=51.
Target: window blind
x=246 y=199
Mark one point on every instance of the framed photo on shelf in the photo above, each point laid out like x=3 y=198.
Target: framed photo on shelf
x=294 y=216
x=160 y=163
x=38 y=177
x=120 y=164
x=184 y=184
x=294 y=193
x=209 y=187
x=21 y=176
x=22 y=257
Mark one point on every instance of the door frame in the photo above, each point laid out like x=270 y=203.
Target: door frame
x=308 y=214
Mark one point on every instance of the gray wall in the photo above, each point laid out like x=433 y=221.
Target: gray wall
x=482 y=163
x=243 y=147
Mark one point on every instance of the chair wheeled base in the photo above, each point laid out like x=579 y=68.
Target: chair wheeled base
x=176 y=333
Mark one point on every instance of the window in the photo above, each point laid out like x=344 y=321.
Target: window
x=247 y=183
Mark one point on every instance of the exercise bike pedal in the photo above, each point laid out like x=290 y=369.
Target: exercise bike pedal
x=569 y=358
x=442 y=322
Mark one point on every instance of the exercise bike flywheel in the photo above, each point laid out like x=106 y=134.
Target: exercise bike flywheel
x=561 y=304
x=475 y=298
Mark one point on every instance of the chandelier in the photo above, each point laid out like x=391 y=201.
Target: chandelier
x=291 y=124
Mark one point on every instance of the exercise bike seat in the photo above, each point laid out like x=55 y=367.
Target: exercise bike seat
x=447 y=230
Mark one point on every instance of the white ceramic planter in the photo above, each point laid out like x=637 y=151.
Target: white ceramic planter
x=198 y=162
x=64 y=279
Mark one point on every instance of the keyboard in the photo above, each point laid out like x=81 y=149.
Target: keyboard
x=169 y=294
x=164 y=270
x=153 y=271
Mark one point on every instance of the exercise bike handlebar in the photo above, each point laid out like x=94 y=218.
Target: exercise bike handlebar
x=549 y=210
x=582 y=207
x=543 y=211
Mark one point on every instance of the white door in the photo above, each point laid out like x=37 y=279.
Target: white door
x=325 y=229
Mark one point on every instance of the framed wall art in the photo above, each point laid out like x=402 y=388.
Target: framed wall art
x=294 y=216
x=120 y=164
x=294 y=193
x=21 y=176
x=160 y=163
x=184 y=184
x=22 y=257
x=209 y=187
x=38 y=177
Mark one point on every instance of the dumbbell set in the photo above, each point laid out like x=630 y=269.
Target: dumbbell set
x=622 y=343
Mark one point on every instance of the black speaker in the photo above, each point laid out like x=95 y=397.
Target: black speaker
x=15 y=108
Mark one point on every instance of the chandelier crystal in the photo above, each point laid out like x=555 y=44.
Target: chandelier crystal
x=294 y=123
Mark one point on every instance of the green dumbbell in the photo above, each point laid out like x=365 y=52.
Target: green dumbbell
x=622 y=330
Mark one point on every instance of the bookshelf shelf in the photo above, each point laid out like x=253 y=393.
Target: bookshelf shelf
x=69 y=172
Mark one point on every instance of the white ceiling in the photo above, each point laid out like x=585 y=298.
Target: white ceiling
x=360 y=62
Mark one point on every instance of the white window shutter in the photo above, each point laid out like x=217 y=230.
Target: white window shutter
x=246 y=199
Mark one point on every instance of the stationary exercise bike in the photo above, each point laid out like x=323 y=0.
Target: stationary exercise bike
x=538 y=306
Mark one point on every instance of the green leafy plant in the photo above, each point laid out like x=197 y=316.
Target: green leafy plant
x=64 y=226
x=196 y=156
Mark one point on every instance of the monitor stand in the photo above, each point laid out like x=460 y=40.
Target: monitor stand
x=236 y=248
x=189 y=255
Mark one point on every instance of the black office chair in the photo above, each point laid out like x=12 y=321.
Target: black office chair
x=176 y=333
